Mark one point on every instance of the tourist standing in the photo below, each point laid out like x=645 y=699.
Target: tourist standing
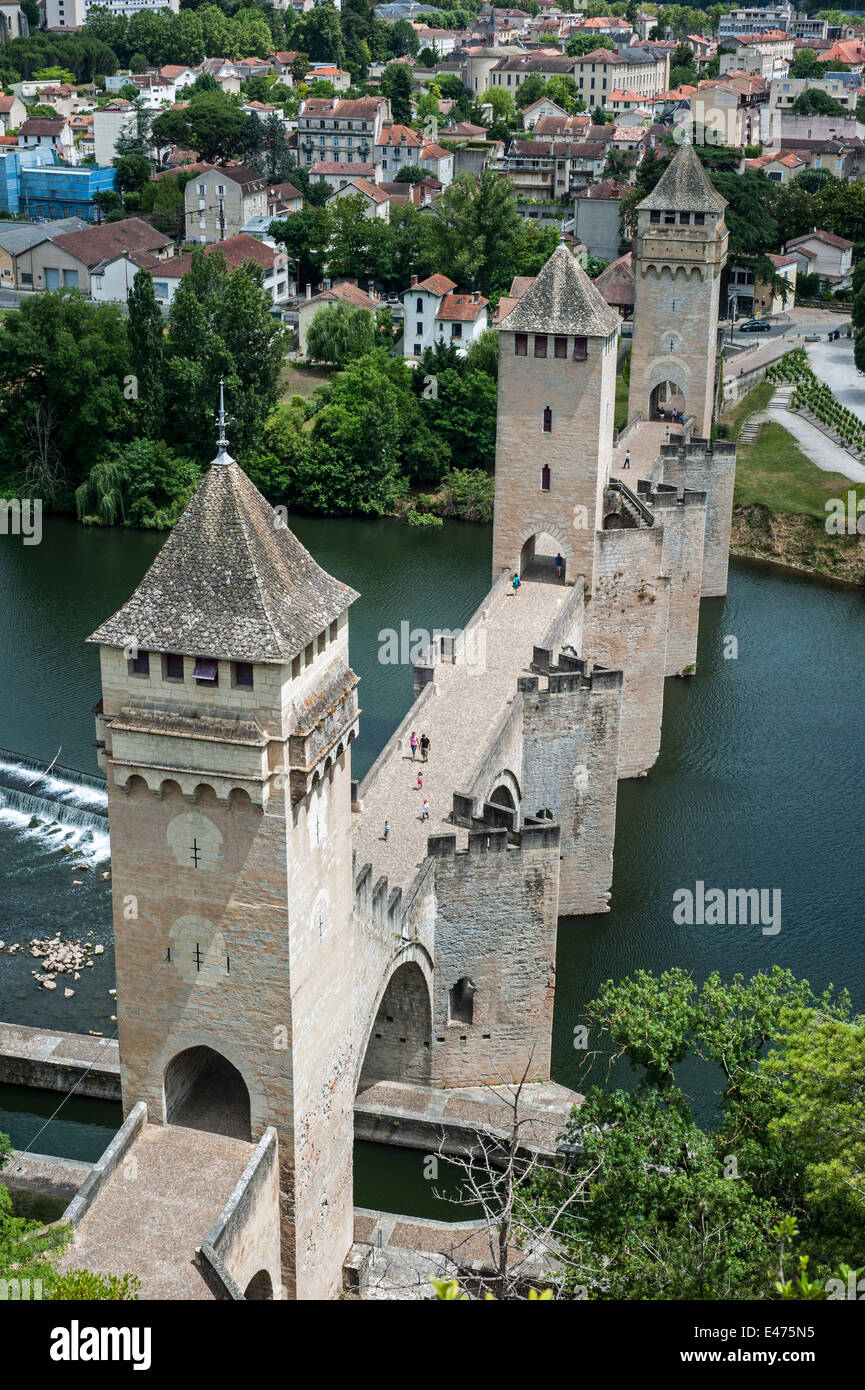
x=560 y=565
x=627 y=458
x=413 y=744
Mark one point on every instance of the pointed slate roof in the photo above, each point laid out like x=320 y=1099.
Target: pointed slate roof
x=684 y=186
x=562 y=299
x=231 y=581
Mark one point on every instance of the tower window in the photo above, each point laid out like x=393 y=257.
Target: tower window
x=561 y=347
x=669 y=217
x=654 y=217
x=580 y=349
x=295 y=668
x=699 y=219
x=334 y=629
x=322 y=642
x=540 y=345
x=308 y=654
x=139 y=665
x=172 y=667
x=205 y=671
x=243 y=673
x=545 y=478
x=548 y=420
x=521 y=344
x=685 y=219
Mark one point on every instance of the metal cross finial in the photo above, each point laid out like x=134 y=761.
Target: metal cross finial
x=223 y=456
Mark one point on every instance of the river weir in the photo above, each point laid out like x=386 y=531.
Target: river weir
x=62 y=808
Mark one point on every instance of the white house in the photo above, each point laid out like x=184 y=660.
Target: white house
x=824 y=254
x=376 y=201
x=434 y=313
x=343 y=293
x=439 y=162
x=39 y=134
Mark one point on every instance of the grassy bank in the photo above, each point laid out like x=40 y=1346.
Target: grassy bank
x=779 y=505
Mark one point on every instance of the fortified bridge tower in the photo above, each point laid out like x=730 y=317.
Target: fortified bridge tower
x=228 y=709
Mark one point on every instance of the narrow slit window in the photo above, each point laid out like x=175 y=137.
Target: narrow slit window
x=654 y=216
x=548 y=420
x=334 y=630
x=540 y=345
x=581 y=349
x=545 y=478
x=521 y=344
x=561 y=347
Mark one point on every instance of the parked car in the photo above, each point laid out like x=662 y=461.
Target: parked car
x=755 y=326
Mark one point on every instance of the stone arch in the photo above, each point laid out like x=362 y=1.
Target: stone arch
x=204 y=793
x=170 y=790
x=507 y=780
x=418 y=991
x=539 y=545
x=136 y=788
x=260 y=1112
x=203 y=1090
x=259 y=1288
x=669 y=396
x=239 y=799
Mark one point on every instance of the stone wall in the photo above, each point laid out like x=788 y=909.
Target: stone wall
x=684 y=527
x=710 y=469
x=577 y=449
x=241 y=1251
x=496 y=926
x=570 y=754
x=626 y=630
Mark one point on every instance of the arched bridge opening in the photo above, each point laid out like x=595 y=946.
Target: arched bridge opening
x=400 y=1045
x=203 y=1090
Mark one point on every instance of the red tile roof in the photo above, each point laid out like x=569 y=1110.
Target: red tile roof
x=464 y=308
x=436 y=284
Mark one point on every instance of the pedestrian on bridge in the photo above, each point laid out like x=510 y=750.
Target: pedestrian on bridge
x=413 y=744
x=627 y=462
x=515 y=583
x=386 y=830
x=420 y=781
x=424 y=747
x=424 y=810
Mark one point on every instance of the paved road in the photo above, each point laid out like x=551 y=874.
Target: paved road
x=833 y=363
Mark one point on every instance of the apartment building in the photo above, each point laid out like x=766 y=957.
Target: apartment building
x=332 y=129
x=645 y=72
x=220 y=200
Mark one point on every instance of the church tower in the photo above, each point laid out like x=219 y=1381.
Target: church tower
x=557 y=384
x=227 y=712
x=680 y=250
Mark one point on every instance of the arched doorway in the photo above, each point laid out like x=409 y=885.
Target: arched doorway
x=503 y=796
x=203 y=1090
x=670 y=398
x=400 y=1045
x=538 y=559
x=259 y=1288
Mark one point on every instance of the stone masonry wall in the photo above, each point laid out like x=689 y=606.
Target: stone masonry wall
x=684 y=526
x=497 y=915
x=570 y=749
x=578 y=450
x=712 y=470
x=626 y=630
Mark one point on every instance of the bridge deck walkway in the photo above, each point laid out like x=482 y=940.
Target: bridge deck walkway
x=644 y=442
x=156 y=1209
x=459 y=719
